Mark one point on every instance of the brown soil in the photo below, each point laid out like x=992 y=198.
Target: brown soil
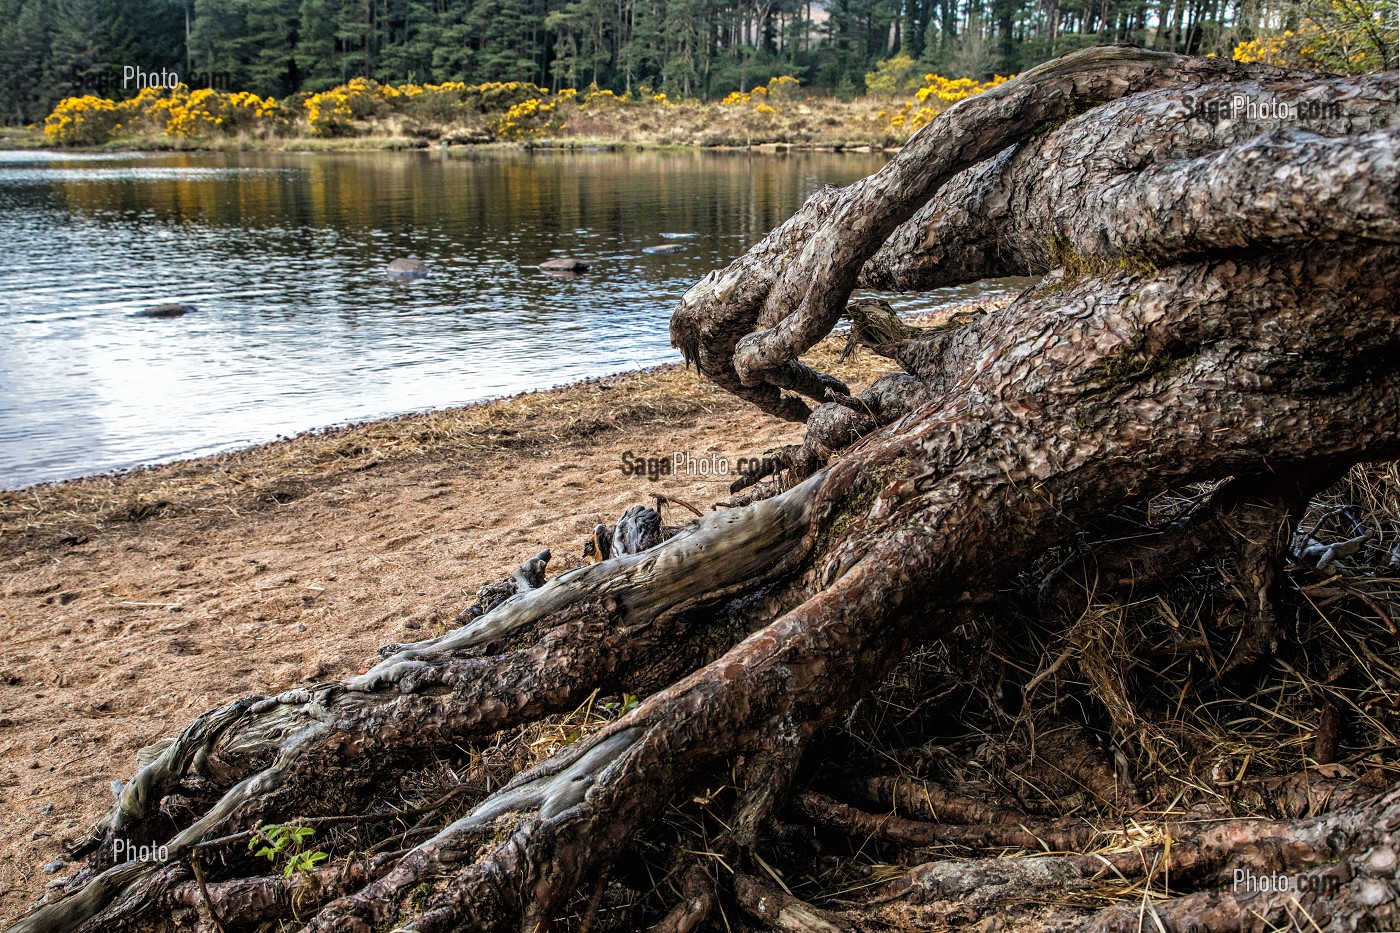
x=129 y=605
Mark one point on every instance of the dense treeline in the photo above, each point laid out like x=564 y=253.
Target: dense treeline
x=687 y=48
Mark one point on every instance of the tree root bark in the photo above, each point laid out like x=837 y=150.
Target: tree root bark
x=1230 y=353
x=1233 y=872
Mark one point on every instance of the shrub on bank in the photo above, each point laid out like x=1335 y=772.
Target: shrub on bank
x=176 y=112
x=82 y=121
x=774 y=111
x=1337 y=36
x=937 y=94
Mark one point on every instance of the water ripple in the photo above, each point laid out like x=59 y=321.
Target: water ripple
x=297 y=325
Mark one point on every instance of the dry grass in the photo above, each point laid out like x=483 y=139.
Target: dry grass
x=1172 y=739
x=804 y=123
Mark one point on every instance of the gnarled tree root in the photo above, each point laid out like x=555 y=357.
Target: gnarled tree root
x=754 y=629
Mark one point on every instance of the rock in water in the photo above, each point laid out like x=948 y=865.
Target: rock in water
x=409 y=268
x=665 y=248
x=164 y=311
x=564 y=264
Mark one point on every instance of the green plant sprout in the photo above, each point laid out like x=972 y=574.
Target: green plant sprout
x=286 y=843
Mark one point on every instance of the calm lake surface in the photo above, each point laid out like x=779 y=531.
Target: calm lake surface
x=298 y=327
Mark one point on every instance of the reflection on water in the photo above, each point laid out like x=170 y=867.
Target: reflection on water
x=297 y=324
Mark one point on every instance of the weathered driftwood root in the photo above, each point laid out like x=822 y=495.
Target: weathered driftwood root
x=1128 y=202
x=559 y=823
x=781 y=911
x=695 y=900
x=794 y=285
x=1024 y=833
x=1093 y=195
x=786 y=680
x=752 y=630
x=273 y=756
x=1232 y=875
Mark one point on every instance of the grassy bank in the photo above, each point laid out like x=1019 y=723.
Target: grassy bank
x=364 y=114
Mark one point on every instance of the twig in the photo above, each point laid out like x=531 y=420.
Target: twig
x=663 y=500
x=339 y=818
x=204 y=890
x=590 y=914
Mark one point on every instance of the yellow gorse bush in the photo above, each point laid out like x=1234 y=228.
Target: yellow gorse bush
x=937 y=94
x=783 y=86
x=516 y=109
x=177 y=112
x=245 y=104
x=525 y=118
x=79 y=121
x=337 y=111
x=333 y=112
x=328 y=113
x=777 y=88
x=952 y=90
x=1347 y=36
x=596 y=98
x=196 y=115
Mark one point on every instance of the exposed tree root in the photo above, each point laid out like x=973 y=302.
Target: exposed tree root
x=1220 y=876
x=781 y=911
x=995 y=507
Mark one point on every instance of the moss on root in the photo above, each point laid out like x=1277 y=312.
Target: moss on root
x=857 y=505
x=1078 y=268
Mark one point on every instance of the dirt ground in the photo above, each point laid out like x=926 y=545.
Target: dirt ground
x=118 y=636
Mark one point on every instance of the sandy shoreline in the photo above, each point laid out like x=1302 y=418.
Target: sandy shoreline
x=131 y=603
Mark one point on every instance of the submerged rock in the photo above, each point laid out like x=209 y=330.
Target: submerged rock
x=165 y=311
x=665 y=248
x=564 y=264
x=409 y=268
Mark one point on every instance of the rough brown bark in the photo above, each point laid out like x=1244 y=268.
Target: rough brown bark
x=1178 y=340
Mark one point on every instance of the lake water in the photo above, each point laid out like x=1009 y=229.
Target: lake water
x=298 y=326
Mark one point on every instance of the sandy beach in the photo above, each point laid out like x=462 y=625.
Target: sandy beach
x=130 y=604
